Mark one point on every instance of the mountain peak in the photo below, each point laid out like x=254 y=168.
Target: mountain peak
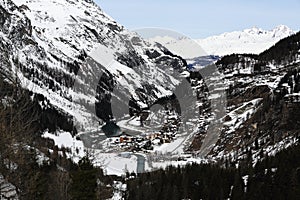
x=281 y=30
x=255 y=30
x=253 y=40
x=278 y=30
x=65 y=36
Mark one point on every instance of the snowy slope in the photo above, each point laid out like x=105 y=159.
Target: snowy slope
x=254 y=40
x=61 y=49
x=183 y=46
x=53 y=43
x=74 y=55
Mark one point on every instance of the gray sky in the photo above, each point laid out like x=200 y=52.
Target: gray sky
x=202 y=18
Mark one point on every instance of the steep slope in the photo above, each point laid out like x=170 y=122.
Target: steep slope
x=78 y=60
x=254 y=40
x=263 y=102
x=60 y=49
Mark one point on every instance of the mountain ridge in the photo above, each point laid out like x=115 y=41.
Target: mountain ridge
x=254 y=40
x=62 y=34
x=67 y=60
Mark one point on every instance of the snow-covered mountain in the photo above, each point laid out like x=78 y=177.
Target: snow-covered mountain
x=77 y=59
x=78 y=68
x=49 y=45
x=254 y=40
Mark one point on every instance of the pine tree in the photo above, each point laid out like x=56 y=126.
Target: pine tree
x=84 y=181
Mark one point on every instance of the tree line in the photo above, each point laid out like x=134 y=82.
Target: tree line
x=275 y=177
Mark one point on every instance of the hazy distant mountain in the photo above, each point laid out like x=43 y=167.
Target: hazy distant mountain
x=254 y=40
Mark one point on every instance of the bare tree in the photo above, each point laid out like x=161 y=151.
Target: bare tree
x=18 y=125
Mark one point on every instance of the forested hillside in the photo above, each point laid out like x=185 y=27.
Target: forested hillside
x=275 y=177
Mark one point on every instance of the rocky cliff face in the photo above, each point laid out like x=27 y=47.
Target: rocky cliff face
x=50 y=45
x=73 y=57
x=263 y=102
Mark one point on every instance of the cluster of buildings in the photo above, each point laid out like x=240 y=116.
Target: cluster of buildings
x=142 y=143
